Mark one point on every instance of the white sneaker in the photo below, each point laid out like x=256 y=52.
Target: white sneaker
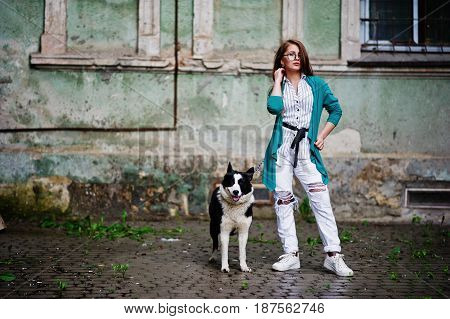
x=337 y=265
x=287 y=262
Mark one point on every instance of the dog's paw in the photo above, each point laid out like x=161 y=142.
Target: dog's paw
x=246 y=268
x=225 y=269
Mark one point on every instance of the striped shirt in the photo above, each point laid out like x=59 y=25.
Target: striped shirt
x=296 y=112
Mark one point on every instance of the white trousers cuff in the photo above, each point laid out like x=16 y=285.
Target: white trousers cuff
x=332 y=248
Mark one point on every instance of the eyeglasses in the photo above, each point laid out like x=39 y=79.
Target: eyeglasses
x=292 y=56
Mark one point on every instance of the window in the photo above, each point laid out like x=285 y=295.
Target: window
x=125 y=34
x=405 y=25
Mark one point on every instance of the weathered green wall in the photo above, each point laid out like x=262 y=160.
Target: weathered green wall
x=109 y=26
x=247 y=29
x=185 y=20
x=387 y=112
x=167 y=26
x=396 y=114
x=87 y=99
x=392 y=114
x=322 y=28
x=68 y=99
x=102 y=26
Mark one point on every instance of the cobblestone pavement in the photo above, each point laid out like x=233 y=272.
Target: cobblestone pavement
x=40 y=258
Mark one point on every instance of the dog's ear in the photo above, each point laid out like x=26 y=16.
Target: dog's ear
x=250 y=173
x=229 y=169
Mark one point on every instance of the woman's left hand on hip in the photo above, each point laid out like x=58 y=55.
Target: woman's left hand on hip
x=319 y=143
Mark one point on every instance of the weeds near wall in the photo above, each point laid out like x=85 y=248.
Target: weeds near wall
x=97 y=229
x=87 y=227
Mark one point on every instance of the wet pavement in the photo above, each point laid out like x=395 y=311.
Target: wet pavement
x=389 y=261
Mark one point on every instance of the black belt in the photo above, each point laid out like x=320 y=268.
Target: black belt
x=301 y=133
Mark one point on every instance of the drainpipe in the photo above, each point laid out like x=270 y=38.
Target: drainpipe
x=175 y=79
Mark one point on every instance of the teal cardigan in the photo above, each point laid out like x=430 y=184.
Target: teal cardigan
x=322 y=98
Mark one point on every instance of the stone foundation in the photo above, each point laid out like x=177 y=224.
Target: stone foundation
x=362 y=188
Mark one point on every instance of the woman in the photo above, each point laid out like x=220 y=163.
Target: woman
x=297 y=99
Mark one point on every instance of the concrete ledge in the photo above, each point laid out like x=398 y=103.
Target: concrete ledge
x=88 y=61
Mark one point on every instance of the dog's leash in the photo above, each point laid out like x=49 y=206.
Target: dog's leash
x=258 y=168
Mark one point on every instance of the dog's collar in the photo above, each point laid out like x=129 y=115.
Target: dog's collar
x=244 y=198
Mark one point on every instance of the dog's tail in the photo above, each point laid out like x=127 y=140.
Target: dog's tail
x=215 y=242
x=214 y=231
x=215 y=239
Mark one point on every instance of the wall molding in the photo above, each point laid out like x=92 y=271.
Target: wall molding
x=203 y=28
x=350 y=25
x=292 y=20
x=149 y=41
x=54 y=38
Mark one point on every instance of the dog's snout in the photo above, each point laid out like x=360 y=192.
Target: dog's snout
x=235 y=192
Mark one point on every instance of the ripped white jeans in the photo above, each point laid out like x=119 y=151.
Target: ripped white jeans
x=319 y=199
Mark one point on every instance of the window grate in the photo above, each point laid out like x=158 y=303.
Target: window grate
x=405 y=25
x=427 y=198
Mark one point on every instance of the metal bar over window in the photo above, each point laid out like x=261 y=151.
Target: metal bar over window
x=405 y=25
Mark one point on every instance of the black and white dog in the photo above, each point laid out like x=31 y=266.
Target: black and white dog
x=230 y=209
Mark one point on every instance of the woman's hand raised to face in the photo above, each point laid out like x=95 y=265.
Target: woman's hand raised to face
x=279 y=73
